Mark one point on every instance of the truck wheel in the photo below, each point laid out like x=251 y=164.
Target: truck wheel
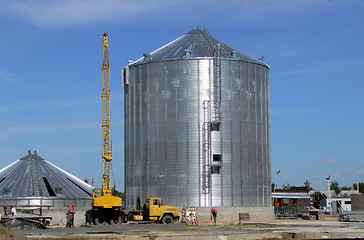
x=115 y=220
x=167 y=219
x=100 y=220
x=123 y=218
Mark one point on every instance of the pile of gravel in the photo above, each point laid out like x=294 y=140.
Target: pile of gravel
x=10 y=234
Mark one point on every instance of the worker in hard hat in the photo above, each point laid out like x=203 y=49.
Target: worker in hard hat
x=13 y=211
x=88 y=217
x=214 y=214
x=70 y=215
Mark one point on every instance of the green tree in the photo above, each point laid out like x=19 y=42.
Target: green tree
x=345 y=188
x=361 y=187
x=335 y=186
x=316 y=199
x=119 y=194
x=308 y=185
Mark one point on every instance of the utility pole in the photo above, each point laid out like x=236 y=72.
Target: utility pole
x=275 y=187
x=328 y=188
x=357 y=187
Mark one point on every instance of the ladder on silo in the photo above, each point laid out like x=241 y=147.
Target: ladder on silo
x=206 y=142
x=34 y=178
x=217 y=83
x=217 y=50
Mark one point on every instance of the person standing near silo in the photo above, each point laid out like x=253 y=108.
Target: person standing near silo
x=13 y=211
x=70 y=215
x=214 y=215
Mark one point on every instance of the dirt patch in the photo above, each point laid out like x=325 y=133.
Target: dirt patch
x=10 y=234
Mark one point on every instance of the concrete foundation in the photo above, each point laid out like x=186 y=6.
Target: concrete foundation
x=53 y=210
x=203 y=215
x=231 y=214
x=272 y=229
x=56 y=217
x=59 y=216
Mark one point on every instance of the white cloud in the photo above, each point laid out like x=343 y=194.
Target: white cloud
x=292 y=72
x=292 y=53
x=341 y=64
x=286 y=111
x=64 y=103
x=267 y=7
x=320 y=176
x=45 y=105
x=45 y=128
x=64 y=13
x=361 y=172
x=242 y=2
x=329 y=160
x=8 y=77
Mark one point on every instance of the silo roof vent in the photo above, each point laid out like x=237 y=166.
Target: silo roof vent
x=188 y=53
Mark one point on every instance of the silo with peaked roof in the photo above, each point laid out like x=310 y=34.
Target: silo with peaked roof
x=33 y=183
x=197 y=126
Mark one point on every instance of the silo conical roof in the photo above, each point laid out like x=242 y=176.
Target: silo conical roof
x=195 y=44
x=33 y=176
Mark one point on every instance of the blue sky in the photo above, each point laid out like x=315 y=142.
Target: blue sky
x=50 y=77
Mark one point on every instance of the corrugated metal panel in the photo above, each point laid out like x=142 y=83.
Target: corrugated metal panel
x=165 y=115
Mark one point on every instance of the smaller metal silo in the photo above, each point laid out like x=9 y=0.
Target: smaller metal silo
x=37 y=187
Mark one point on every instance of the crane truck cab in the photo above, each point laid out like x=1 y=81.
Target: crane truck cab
x=154 y=210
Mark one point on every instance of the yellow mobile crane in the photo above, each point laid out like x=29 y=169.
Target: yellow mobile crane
x=105 y=206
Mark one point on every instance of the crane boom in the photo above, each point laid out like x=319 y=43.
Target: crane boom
x=106 y=119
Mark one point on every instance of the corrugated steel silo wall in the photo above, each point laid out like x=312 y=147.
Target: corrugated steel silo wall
x=163 y=133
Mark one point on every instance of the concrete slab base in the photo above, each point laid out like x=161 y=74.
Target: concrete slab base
x=231 y=214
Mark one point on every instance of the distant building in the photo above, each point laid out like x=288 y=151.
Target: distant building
x=341 y=202
x=291 y=196
x=339 y=205
x=357 y=202
x=333 y=194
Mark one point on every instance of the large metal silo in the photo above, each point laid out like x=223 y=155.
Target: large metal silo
x=197 y=127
